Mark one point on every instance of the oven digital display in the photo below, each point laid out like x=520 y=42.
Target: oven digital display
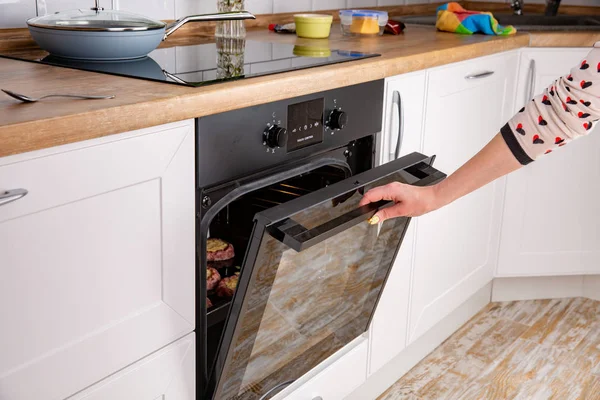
x=305 y=124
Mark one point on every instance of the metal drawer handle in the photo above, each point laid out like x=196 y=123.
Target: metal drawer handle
x=480 y=75
x=274 y=388
x=12 y=195
x=318 y=398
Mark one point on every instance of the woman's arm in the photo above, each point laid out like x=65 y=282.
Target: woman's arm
x=568 y=109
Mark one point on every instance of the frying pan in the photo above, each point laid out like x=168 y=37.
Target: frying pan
x=101 y=35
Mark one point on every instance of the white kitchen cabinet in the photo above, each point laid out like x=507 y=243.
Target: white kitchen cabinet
x=97 y=260
x=403 y=118
x=550 y=213
x=168 y=374
x=456 y=247
x=404 y=102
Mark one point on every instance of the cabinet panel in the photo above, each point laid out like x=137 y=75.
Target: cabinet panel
x=404 y=104
x=168 y=374
x=549 y=225
x=456 y=246
x=97 y=259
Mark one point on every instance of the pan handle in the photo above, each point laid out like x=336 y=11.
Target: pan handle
x=226 y=16
x=97 y=7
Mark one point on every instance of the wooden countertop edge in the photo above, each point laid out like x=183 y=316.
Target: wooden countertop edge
x=50 y=132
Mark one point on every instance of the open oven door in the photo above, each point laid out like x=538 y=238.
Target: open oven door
x=311 y=279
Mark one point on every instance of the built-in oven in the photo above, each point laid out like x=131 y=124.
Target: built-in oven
x=280 y=185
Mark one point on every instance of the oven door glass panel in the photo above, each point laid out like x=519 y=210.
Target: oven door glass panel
x=312 y=276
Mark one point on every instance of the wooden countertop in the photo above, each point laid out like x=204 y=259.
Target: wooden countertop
x=140 y=104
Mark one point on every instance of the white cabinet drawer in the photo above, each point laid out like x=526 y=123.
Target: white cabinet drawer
x=454 y=78
x=88 y=170
x=337 y=380
x=97 y=260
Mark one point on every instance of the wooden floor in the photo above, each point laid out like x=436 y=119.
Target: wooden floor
x=542 y=349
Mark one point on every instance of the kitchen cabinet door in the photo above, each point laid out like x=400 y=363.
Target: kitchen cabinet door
x=97 y=260
x=168 y=374
x=456 y=247
x=402 y=120
x=404 y=102
x=550 y=213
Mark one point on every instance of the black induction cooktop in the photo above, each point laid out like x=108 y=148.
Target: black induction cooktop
x=203 y=64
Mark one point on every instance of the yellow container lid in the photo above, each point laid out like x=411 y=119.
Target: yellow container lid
x=313 y=18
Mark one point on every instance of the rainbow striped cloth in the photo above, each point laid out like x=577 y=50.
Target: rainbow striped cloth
x=452 y=17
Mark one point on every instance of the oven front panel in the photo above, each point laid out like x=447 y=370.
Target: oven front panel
x=313 y=274
x=232 y=144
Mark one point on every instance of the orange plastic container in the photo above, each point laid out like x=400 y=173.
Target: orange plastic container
x=363 y=22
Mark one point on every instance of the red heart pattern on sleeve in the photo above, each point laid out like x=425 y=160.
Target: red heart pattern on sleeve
x=566 y=110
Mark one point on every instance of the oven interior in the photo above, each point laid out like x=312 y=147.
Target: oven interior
x=234 y=223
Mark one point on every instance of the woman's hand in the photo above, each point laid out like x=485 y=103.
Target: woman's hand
x=410 y=201
x=493 y=161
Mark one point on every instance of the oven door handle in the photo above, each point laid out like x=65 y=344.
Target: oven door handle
x=300 y=238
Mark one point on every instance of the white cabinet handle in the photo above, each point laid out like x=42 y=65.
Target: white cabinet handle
x=480 y=75
x=318 y=398
x=12 y=195
x=395 y=149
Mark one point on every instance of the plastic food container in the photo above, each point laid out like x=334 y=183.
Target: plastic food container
x=313 y=26
x=363 y=22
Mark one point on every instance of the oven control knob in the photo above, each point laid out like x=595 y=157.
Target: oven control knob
x=338 y=119
x=275 y=136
